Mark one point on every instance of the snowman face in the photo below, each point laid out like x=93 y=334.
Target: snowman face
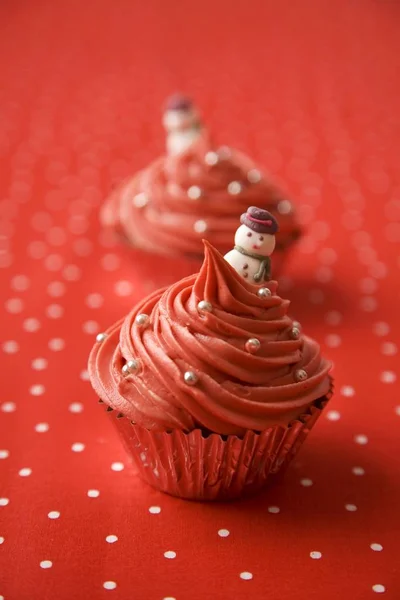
x=258 y=243
x=179 y=119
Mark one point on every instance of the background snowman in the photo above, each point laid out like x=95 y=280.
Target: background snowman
x=254 y=243
x=182 y=123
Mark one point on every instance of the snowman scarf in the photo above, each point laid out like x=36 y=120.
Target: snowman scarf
x=264 y=271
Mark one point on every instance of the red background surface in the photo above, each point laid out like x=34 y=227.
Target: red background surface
x=311 y=90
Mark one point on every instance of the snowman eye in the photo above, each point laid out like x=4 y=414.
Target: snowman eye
x=249 y=234
x=261 y=238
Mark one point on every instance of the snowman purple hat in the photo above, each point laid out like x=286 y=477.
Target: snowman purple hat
x=259 y=220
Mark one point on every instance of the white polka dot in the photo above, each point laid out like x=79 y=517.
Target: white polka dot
x=333 y=415
x=315 y=554
x=4 y=454
x=10 y=347
x=54 y=311
x=53 y=514
x=117 y=466
x=39 y=364
x=42 y=427
x=333 y=340
x=25 y=472
x=223 y=533
x=323 y=274
x=37 y=390
x=109 y=585
x=37 y=249
x=381 y=328
x=165 y=598
x=2 y=540
x=31 y=325
x=123 y=288
x=4 y=501
x=56 y=289
x=246 y=575
x=14 y=305
x=93 y=493
x=110 y=262
x=111 y=539
x=379 y=588
x=273 y=509
x=327 y=256
x=77 y=447
x=388 y=377
x=306 y=482
x=94 y=300
x=155 y=510
x=316 y=296
x=333 y=317
x=368 y=303
x=358 y=471
x=91 y=327
x=347 y=391
x=397 y=410
x=376 y=547
x=170 y=554
x=75 y=407
x=46 y=564
x=361 y=439
x=378 y=270
x=56 y=344
x=71 y=273
x=350 y=507
x=20 y=283
x=53 y=262
x=368 y=285
x=84 y=375
x=8 y=407
x=389 y=348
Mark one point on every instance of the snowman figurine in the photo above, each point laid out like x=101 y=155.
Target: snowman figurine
x=182 y=123
x=254 y=243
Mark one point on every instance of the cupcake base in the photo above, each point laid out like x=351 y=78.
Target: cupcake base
x=202 y=467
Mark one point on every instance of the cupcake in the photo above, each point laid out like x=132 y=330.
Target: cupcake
x=210 y=383
x=196 y=191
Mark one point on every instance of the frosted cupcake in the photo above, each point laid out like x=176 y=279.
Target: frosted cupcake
x=213 y=386
x=196 y=191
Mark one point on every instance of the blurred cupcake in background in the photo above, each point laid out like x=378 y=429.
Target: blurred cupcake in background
x=196 y=191
x=211 y=385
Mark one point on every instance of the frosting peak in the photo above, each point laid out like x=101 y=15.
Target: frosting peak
x=212 y=354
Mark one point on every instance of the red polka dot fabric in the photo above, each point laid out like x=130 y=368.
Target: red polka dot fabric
x=311 y=91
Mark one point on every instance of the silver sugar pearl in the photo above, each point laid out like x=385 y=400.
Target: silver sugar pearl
x=295 y=333
x=194 y=192
x=100 y=337
x=125 y=370
x=253 y=345
x=133 y=365
x=211 y=158
x=140 y=200
x=234 y=188
x=284 y=207
x=254 y=176
x=200 y=226
x=142 y=319
x=300 y=375
x=264 y=292
x=296 y=324
x=190 y=378
x=204 y=306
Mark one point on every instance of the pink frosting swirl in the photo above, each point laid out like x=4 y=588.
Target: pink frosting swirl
x=236 y=390
x=158 y=209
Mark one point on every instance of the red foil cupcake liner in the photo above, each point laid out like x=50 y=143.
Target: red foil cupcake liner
x=198 y=466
